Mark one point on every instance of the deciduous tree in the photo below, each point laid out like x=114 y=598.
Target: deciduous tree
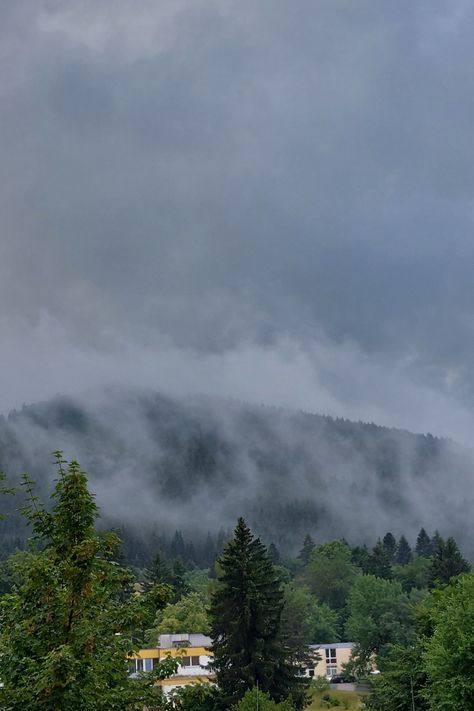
x=330 y=573
x=379 y=614
x=449 y=657
x=65 y=626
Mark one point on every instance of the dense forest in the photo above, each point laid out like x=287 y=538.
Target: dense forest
x=175 y=474
x=406 y=609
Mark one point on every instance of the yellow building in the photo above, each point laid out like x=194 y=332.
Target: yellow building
x=330 y=659
x=193 y=649
x=196 y=655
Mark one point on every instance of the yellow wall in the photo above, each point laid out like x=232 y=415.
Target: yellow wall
x=147 y=654
x=343 y=655
x=184 y=652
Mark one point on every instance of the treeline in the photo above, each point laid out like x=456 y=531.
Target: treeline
x=160 y=464
x=408 y=607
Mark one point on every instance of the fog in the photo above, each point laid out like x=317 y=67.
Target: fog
x=158 y=464
x=269 y=202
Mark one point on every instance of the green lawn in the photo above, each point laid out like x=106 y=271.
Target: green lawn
x=349 y=700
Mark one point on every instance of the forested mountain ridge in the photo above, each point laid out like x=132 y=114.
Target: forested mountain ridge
x=158 y=464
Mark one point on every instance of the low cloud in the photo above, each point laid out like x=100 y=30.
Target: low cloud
x=264 y=201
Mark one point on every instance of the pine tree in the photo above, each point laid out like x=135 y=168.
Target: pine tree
x=245 y=624
x=423 y=544
x=390 y=546
x=178 y=581
x=378 y=563
x=209 y=552
x=274 y=554
x=66 y=625
x=436 y=543
x=360 y=556
x=404 y=554
x=307 y=549
x=447 y=562
x=178 y=546
x=159 y=572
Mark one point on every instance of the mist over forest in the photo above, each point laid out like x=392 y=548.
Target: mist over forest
x=158 y=464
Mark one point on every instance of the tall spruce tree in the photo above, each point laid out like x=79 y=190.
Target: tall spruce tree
x=390 y=546
x=446 y=562
x=404 y=554
x=246 y=611
x=65 y=628
x=306 y=550
x=423 y=544
x=379 y=563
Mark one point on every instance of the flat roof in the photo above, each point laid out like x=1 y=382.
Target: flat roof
x=333 y=645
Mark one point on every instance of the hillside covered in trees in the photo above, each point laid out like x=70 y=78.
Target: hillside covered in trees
x=160 y=465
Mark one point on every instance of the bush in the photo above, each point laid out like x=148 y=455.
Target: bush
x=265 y=703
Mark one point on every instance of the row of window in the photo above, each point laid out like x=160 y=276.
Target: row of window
x=142 y=665
x=147 y=664
x=189 y=661
x=331 y=664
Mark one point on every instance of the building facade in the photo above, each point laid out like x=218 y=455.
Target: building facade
x=195 y=657
x=330 y=659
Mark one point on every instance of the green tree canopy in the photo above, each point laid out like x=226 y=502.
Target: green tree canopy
x=305 y=620
x=390 y=546
x=401 y=685
x=379 y=614
x=404 y=554
x=194 y=697
x=306 y=550
x=190 y=614
x=379 y=562
x=246 y=612
x=449 y=657
x=330 y=574
x=254 y=698
x=423 y=544
x=65 y=626
x=446 y=562
x=415 y=574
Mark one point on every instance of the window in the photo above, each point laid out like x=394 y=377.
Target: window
x=148 y=664
x=139 y=663
x=331 y=662
x=189 y=661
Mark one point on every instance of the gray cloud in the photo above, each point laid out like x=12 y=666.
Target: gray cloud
x=271 y=201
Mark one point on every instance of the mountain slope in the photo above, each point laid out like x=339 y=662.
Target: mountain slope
x=158 y=464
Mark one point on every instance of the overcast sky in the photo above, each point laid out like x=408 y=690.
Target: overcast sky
x=269 y=200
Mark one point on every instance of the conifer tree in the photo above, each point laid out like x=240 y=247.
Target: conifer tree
x=360 y=556
x=274 y=554
x=379 y=563
x=245 y=624
x=306 y=550
x=390 y=546
x=404 y=554
x=447 y=562
x=65 y=626
x=160 y=571
x=178 y=581
x=423 y=544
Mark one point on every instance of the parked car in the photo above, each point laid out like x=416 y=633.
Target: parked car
x=341 y=679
